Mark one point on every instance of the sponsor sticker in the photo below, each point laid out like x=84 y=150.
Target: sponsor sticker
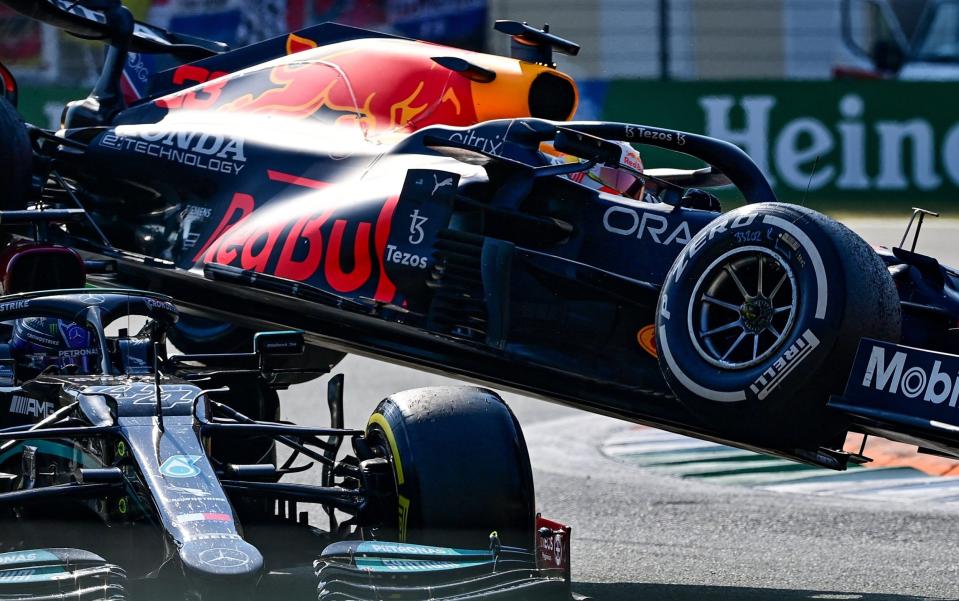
x=208 y=151
x=212 y=536
x=416 y=223
x=646 y=337
x=492 y=145
x=181 y=466
x=627 y=221
x=552 y=545
x=224 y=558
x=24 y=405
x=777 y=372
x=905 y=380
x=93 y=299
x=203 y=517
x=388 y=547
x=14 y=305
x=22 y=556
x=394 y=255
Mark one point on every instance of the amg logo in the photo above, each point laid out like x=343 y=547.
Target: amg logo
x=24 y=405
x=783 y=366
x=935 y=385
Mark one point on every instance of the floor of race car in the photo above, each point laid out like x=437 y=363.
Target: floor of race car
x=638 y=534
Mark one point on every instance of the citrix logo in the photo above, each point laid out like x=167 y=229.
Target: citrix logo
x=893 y=377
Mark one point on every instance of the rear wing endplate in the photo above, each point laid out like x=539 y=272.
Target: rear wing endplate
x=84 y=22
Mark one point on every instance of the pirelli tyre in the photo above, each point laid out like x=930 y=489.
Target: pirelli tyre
x=47 y=574
x=460 y=465
x=16 y=158
x=760 y=317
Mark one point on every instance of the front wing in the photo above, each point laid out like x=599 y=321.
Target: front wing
x=906 y=394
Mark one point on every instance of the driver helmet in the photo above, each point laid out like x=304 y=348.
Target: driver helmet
x=37 y=343
x=40 y=342
x=606 y=178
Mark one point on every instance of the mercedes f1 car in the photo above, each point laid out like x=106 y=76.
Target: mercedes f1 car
x=128 y=473
x=437 y=207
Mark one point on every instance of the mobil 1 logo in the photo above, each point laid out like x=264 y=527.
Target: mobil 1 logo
x=905 y=380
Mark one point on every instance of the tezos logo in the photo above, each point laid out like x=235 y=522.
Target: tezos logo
x=181 y=466
x=934 y=386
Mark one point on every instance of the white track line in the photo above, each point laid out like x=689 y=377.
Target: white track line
x=672 y=454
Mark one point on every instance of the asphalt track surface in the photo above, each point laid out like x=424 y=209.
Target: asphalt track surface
x=644 y=536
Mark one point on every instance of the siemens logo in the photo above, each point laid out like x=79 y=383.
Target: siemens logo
x=895 y=376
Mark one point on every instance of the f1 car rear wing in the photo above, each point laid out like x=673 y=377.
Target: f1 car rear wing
x=88 y=19
x=906 y=394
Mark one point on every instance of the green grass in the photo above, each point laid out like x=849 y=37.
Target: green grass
x=858 y=208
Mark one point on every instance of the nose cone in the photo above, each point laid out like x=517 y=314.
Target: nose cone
x=221 y=559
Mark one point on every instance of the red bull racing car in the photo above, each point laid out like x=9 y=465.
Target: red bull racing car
x=437 y=207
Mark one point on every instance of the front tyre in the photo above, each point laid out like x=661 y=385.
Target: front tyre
x=760 y=317
x=461 y=468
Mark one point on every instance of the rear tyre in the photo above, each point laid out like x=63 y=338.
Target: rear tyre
x=760 y=318
x=461 y=466
x=43 y=574
x=16 y=158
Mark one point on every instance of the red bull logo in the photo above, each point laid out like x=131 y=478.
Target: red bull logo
x=345 y=254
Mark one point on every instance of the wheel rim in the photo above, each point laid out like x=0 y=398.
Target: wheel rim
x=742 y=308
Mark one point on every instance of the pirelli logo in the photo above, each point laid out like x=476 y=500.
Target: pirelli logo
x=777 y=372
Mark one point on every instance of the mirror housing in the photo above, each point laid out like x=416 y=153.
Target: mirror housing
x=99 y=409
x=286 y=342
x=8 y=86
x=587 y=147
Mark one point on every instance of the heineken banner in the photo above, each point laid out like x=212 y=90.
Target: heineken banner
x=826 y=141
x=43 y=105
